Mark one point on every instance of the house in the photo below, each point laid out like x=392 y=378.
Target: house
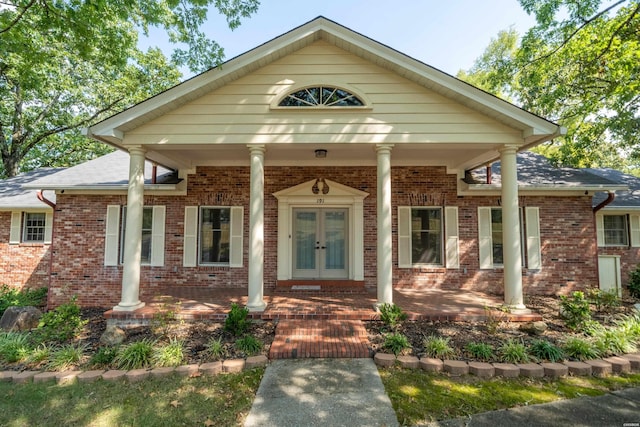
x=25 y=231
x=320 y=157
x=618 y=226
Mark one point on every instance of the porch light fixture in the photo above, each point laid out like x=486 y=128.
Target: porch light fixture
x=321 y=154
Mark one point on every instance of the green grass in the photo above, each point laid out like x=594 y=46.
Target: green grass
x=418 y=397
x=223 y=400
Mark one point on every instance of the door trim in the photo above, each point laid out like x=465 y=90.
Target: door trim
x=338 y=196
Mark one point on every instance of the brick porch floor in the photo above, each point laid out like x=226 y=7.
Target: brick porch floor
x=428 y=304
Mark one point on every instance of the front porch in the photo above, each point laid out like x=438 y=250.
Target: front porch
x=197 y=303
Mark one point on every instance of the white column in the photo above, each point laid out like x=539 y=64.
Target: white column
x=130 y=297
x=385 y=242
x=512 y=251
x=256 y=230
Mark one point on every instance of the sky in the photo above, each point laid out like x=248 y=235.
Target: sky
x=446 y=34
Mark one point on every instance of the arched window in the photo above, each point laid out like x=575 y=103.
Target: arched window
x=321 y=96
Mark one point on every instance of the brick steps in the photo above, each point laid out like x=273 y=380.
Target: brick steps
x=320 y=339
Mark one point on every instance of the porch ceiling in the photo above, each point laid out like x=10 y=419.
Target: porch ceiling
x=455 y=157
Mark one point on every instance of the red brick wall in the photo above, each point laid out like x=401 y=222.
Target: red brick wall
x=567 y=234
x=25 y=265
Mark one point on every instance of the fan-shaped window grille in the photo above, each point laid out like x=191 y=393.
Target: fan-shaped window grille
x=321 y=96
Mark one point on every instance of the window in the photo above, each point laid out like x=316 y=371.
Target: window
x=213 y=236
x=426 y=236
x=34 y=225
x=152 y=251
x=491 y=235
x=147 y=232
x=615 y=230
x=321 y=96
x=215 y=233
x=30 y=227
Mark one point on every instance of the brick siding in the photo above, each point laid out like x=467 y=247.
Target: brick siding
x=568 y=241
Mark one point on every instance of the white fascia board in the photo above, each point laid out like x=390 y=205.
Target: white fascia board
x=465 y=189
x=26 y=208
x=621 y=209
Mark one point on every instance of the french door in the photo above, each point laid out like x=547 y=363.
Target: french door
x=320 y=239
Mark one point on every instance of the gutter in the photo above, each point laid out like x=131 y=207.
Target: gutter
x=43 y=199
x=610 y=198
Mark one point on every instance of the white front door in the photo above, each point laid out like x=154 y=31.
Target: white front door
x=320 y=243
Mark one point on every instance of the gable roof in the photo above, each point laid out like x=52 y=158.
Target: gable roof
x=14 y=196
x=108 y=172
x=625 y=199
x=534 y=128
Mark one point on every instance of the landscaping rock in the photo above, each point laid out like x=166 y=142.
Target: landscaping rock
x=534 y=328
x=455 y=367
x=507 y=370
x=578 y=368
x=7 y=376
x=530 y=370
x=555 y=370
x=112 y=336
x=67 y=377
x=384 y=359
x=113 y=375
x=618 y=364
x=44 y=377
x=162 y=372
x=634 y=361
x=135 y=375
x=256 y=362
x=90 y=376
x=211 y=368
x=410 y=362
x=481 y=369
x=233 y=365
x=20 y=319
x=599 y=368
x=187 y=370
x=24 y=377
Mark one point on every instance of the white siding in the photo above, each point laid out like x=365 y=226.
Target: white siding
x=401 y=111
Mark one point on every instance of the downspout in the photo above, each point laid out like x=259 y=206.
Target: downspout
x=610 y=198
x=489 y=174
x=43 y=199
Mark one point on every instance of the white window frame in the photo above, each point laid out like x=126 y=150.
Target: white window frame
x=448 y=234
x=19 y=224
x=114 y=236
x=530 y=243
x=632 y=225
x=440 y=233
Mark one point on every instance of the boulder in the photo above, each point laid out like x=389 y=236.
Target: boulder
x=112 y=336
x=534 y=328
x=20 y=318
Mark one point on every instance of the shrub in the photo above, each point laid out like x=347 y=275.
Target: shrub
x=236 y=322
x=544 y=350
x=104 y=357
x=40 y=354
x=634 y=282
x=479 y=350
x=163 y=319
x=604 y=300
x=631 y=325
x=216 y=349
x=135 y=355
x=171 y=354
x=438 y=347
x=391 y=315
x=66 y=357
x=614 y=341
x=61 y=324
x=249 y=345
x=513 y=352
x=579 y=349
x=575 y=310
x=10 y=297
x=395 y=343
x=14 y=347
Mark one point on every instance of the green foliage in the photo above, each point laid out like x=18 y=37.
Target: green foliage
x=249 y=345
x=216 y=349
x=575 y=310
x=438 y=347
x=164 y=319
x=10 y=297
x=580 y=349
x=480 y=351
x=39 y=354
x=61 y=324
x=630 y=324
x=396 y=343
x=135 y=355
x=513 y=352
x=544 y=350
x=14 y=346
x=236 y=322
x=171 y=354
x=104 y=357
x=614 y=341
x=634 y=282
x=493 y=319
x=67 y=357
x=391 y=315
x=604 y=300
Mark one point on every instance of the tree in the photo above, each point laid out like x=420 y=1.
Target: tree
x=65 y=64
x=580 y=66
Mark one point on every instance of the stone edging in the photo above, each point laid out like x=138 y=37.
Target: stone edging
x=599 y=367
x=135 y=375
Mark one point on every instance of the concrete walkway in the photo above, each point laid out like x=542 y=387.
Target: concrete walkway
x=321 y=392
